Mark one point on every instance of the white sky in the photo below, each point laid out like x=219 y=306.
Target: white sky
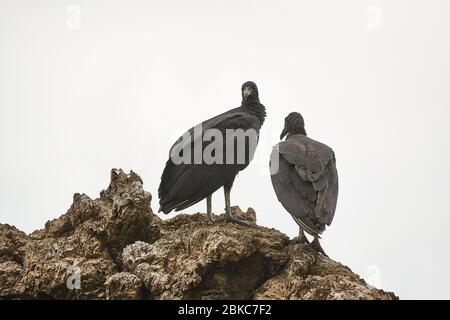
x=371 y=79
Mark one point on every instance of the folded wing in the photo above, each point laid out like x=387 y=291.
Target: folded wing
x=183 y=185
x=306 y=182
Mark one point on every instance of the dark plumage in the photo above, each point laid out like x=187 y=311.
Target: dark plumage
x=306 y=182
x=183 y=185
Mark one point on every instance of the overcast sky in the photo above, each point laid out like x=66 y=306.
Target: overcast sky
x=86 y=86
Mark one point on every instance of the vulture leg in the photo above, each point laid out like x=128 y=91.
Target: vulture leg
x=227 y=201
x=317 y=247
x=302 y=239
x=228 y=216
x=209 y=209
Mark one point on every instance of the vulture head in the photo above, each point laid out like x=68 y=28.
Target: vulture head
x=293 y=124
x=250 y=91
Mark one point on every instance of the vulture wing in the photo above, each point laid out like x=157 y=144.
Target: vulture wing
x=306 y=182
x=183 y=185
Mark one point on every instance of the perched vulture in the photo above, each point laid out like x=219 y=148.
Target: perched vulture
x=305 y=179
x=186 y=182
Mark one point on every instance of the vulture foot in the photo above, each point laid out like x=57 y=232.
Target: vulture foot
x=315 y=245
x=237 y=220
x=211 y=218
x=301 y=240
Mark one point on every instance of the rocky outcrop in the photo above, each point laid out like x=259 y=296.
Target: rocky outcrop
x=114 y=247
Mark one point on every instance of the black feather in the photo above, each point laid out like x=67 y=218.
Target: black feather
x=306 y=182
x=183 y=185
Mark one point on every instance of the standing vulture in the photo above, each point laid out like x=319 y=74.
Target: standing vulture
x=305 y=179
x=188 y=182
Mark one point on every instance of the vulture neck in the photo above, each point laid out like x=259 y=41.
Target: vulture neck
x=294 y=132
x=254 y=107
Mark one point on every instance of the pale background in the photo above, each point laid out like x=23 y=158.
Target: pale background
x=86 y=86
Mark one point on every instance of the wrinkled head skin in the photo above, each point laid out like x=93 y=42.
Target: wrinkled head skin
x=293 y=124
x=250 y=91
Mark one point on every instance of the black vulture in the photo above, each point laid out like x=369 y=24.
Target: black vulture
x=305 y=179
x=187 y=182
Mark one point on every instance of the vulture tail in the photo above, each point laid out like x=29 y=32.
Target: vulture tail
x=307 y=228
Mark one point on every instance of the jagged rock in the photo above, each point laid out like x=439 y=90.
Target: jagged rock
x=309 y=276
x=12 y=242
x=85 y=243
x=114 y=247
x=199 y=260
x=119 y=217
x=123 y=286
x=228 y=261
x=51 y=263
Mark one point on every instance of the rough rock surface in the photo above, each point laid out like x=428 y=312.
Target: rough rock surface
x=114 y=247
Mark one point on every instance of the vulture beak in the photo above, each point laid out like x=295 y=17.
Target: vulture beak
x=285 y=131
x=247 y=92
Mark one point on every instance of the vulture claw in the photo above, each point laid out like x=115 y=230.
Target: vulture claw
x=315 y=245
x=237 y=220
x=301 y=240
x=211 y=218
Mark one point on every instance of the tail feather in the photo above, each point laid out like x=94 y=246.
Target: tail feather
x=311 y=230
